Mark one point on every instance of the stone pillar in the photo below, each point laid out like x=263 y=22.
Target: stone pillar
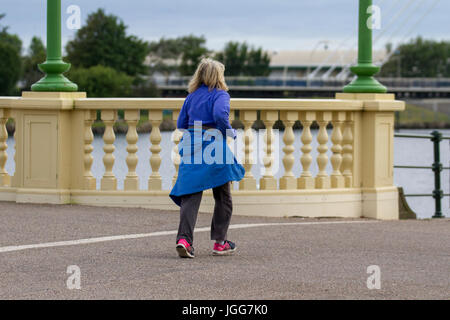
x=380 y=196
x=46 y=154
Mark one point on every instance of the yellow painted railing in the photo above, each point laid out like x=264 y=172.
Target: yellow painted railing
x=53 y=157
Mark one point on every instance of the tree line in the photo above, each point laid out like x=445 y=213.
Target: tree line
x=108 y=62
x=419 y=58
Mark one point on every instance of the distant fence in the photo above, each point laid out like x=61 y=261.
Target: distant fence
x=437 y=167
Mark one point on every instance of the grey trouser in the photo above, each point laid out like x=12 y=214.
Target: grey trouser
x=223 y=208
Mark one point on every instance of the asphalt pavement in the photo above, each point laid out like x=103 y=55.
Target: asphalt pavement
x=80 y=252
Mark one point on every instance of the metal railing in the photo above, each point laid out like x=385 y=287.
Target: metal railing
x=437 y=167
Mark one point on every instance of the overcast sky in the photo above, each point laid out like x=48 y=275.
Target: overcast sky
x=272 y=24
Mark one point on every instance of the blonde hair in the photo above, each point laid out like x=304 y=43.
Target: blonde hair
x=210 y=73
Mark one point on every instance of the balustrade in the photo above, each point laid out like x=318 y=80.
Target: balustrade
x=336 y=154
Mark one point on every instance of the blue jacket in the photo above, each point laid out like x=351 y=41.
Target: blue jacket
x=210 y=107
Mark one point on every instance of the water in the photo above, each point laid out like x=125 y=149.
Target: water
x=416 y=152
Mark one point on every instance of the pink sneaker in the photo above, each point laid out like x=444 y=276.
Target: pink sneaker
x=184 y=249
x=227 y=248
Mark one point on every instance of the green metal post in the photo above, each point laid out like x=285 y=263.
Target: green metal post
x=438 y=194
x=365 y=69
x=54 y=67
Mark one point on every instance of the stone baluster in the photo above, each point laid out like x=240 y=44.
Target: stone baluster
x=248 y=118
x=5 y=179
x=109 y=181
x=230 y=140
x=347 y=158
x=89 y=181
x=231 y=143
x=306 y=180
x=132 y=180
x=322 y=180
x=176 y=138
x=337 y=180
x=268 y=181
x=288 y=181
x=155 y=180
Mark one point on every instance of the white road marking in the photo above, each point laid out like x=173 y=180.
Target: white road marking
x=159 y=233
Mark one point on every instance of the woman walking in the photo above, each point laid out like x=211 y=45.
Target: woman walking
x=206 y=160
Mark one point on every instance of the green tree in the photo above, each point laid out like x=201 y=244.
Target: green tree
x=181 y=54
x=164 y=55
x=10 y=61
x=36 y=55
x=234 y=57
x=240 y=59
x=10 y=68
x=11 y=39
x=104 y=41
x=193 y=50
x=102 y=82
x=258 y=63
x=419 y=58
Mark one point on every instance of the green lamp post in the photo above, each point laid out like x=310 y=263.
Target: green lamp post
x=365 y=69
x=54 y=67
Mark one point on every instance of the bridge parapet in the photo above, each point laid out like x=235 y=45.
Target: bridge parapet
x=54 y=145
